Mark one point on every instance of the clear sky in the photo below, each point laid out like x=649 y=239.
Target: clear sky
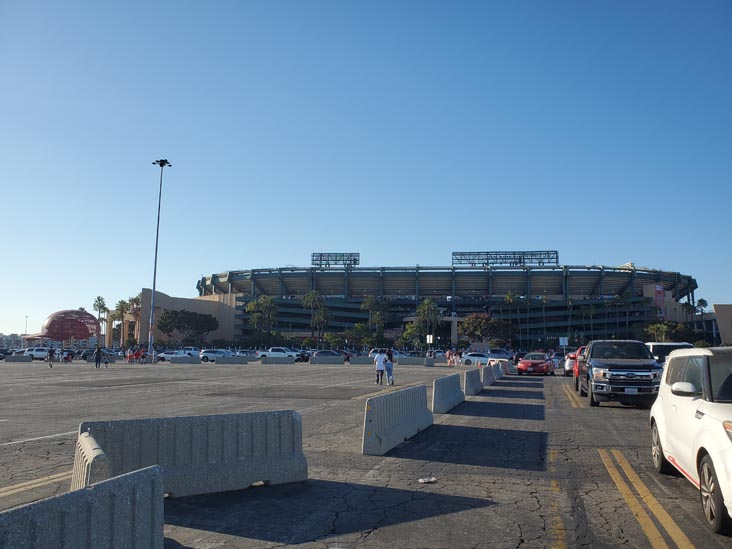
x=403 y=130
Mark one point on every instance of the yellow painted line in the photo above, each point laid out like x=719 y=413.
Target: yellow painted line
x=385 y=391
x=557 y=530
x=649 y=528
x=569 y=395
x=673 y=530
x=29 y=485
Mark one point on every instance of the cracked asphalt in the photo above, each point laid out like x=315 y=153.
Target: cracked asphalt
x=517 y=466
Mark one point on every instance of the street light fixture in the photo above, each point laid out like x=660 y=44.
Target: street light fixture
x=163 y=163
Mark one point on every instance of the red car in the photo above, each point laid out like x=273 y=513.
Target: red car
x=536 y=363
x=575 y=368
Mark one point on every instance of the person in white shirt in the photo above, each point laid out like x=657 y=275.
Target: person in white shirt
x=379 y=366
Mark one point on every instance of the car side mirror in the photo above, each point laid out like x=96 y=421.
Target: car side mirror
x=684 y=389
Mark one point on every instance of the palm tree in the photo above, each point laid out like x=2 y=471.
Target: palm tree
x=688 y=309
x=701 y=304
x=570 y=304
x=509 y=300
x=120 y=310
x=543 y=300
x=100 y=306
x=315 y=302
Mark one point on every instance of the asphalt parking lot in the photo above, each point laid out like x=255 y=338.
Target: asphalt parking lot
x=526 y=463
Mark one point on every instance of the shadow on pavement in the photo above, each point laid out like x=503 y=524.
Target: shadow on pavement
x=504 y=448
x=304 y=512
x=506 y=410
x=497 y=393
x=524 y=384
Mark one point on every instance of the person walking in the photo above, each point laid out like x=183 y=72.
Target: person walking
x=379 y=366
x=97 y=358
x=389 y=366
x=51 y=356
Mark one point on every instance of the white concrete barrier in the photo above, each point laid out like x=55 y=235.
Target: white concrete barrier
x=19 y=358
x=278 y=360
x=410 y=361
x=391 y=419
x=327 y=359
x=232 y=360
x=497 y=371
x=205 y=454
x=185 y=360
x=90 y=463
x=446 y=394
x=487 y=376
x=472 y=382
x=429 y=362
x=126 y=511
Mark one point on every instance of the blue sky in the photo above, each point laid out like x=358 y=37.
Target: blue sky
x=401 y=130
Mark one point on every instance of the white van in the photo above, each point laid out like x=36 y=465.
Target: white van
x=661 y=350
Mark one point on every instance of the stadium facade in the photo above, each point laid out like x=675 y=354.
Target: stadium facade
x=545 y=301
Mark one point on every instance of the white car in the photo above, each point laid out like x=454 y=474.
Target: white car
x=39 y=353
x=469 y=359
x=691 y=427
x=213 y=354
x=167 y=355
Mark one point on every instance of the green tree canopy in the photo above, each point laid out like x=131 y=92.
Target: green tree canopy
x=192 y=326
x=476 y=326
x=262 y=313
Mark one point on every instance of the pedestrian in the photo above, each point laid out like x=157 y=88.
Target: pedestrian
x=97 y=358
x=136 y=356
x=379 y=365
x=389 y=367
x=143 y=356
x=448 y=355
x=51 y=355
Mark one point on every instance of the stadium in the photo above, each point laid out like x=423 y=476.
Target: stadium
x=543 y=299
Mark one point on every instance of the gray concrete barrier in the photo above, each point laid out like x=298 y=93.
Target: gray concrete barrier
x=446 y=394
x=278 y=360
x=19 y=358
x=429 y=362
x=327 y=359
x=185 y=360
x=497 y=371
x=126 y=511
x=90 y=463
x=410 y=361
x=362 y=360
x=487 y=376
x=232 y=360
x=472 y=382
x=391 y=419
x=206 y=454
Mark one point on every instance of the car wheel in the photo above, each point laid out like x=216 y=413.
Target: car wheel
x=161 y=359
x=591 y=396
x=581 y=390
x=660 y=463
x=204 y=358
x=520 y=373
x=467 y=362
x=715 y=513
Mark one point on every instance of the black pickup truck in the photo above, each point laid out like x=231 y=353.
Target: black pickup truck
x=620 y=370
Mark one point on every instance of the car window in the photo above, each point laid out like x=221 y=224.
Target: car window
x=693 y=372
x=720 y=370
x=676 y=369
x=629 y=350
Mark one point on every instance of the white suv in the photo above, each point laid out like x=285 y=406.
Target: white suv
x=691 y=427
x=38 y=353
x=213 y=354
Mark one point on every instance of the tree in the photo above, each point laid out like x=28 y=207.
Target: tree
x=320 y=322
x=120 y=310
x=100 y=306
x=358 y=336
x=334 y=340
x=263 y=312
x=427 y=318
x=544 y=301
x=377 y=314
x=476 y=326
x=701 y=304
x=194 y=327
x=410 y=336
x=315 y=302
x=500 y=332
x=509 y=299
x=659 y=331
x=688 y=309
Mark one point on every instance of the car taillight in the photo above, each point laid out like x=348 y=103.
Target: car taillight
x=727 y=425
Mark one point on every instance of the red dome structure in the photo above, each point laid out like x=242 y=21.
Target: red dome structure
x=73 y=324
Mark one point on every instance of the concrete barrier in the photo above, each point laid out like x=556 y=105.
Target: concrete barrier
x=429 y=362
x=391 y=419
x=90 y=463
x=362 y=360
x=278 y=360
x=410 y=361
x=472 y=382
x=327 y=359
x=487 y=375
x=232 y=360
x=446 y=394
x=497 y=371
x=185 y=360
x=19 y=358
x=126 y=511
x=205 y=454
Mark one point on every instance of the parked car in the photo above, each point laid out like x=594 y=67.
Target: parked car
x=536 y=363
x=661 y=350
x=212 y=354
x=39 y=353
x=501 y=354
x=575 y=365
x=191 y=351
x=280 y=352
x=327 y=352
x=691 y=427
x=470 y=359
x=167 y=355
x=620 y=370
x=517 y=357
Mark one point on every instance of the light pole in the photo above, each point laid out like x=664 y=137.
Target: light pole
x=162 y=163
x=26 y=326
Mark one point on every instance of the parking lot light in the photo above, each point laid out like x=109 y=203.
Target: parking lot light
x=162 y=163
